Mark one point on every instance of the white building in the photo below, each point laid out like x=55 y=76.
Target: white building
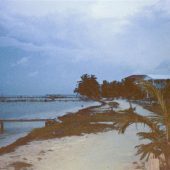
x=158 y=81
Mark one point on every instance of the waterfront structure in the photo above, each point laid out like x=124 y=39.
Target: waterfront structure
x=158 y=81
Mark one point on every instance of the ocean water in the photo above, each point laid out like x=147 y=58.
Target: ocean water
x=29 y=110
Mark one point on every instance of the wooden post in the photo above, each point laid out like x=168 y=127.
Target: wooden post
x=1 y=126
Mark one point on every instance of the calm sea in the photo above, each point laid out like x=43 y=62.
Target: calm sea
x=29 y=110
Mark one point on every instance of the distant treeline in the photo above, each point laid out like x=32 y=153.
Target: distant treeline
x=126 y=88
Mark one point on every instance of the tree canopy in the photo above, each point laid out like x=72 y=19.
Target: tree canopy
x=126 y=89
x=88 y=86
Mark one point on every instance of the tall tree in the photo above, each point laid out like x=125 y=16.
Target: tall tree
x=132 y=90
x=88 y=86
x=111 y=89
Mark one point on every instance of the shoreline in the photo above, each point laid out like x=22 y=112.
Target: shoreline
x=15 y=132
x=28 y=138
x=87 y=138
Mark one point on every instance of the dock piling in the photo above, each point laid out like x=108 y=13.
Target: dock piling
x=1 y=126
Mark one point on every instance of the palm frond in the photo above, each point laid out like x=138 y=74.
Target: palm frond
x=151 y=136
x=124 y=119
x=144 y=150
x=158 y=119
x=156 y=93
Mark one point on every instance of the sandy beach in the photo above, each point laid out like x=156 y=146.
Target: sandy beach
x=100 y=148
x=93 y=151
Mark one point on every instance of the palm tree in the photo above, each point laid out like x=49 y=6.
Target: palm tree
x=158 y=124
x=88 y=86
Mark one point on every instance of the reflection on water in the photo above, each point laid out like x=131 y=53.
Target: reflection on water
x=31 y=110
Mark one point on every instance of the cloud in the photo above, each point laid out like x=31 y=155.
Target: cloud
x=81 y=30
x=119 y=9
x=74 y=37
x=20 y=62
x=33 y=74
x=49 y=23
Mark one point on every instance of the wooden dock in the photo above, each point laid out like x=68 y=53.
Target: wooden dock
x=2 y=121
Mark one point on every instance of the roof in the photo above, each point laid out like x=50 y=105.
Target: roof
x=159 y=77
x=148 y=77
x=138 y=77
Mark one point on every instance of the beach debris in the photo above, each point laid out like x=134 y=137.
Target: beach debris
x=20 y=165
x=50 y=122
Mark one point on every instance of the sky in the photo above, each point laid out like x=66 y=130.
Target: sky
x=45 y=46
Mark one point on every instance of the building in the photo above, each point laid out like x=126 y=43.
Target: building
x=158 y=81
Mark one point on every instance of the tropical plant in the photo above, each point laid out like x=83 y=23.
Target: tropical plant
x=88 y=86
x=158 y=124
x=131 y=90
x=166 y=91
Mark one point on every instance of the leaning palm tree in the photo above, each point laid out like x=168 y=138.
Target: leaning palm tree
x=158 y=124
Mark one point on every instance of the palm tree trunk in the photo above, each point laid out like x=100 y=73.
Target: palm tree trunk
x=167 y=161
x=130 y=103
x=167 y=154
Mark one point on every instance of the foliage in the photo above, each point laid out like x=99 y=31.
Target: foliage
x=111 y=89
x=158 y=124
x=131 y=90
x=88 y=86
x=166 y=91
x=126 y=89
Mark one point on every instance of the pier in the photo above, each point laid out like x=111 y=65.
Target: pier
x=2 y=121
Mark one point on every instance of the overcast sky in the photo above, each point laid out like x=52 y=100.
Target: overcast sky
x=45 y=46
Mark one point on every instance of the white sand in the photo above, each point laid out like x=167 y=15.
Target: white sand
x=88 y=152
x=102 y=151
